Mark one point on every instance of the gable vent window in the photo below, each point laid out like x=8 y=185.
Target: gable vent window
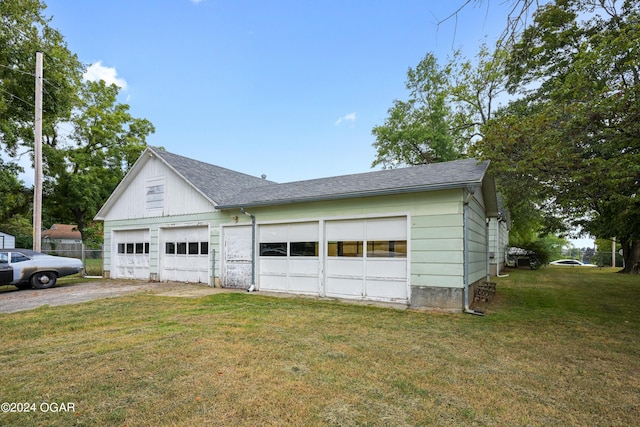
x=154 y=199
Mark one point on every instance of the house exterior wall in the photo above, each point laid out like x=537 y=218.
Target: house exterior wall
x=158 y=191
x=435 y=228
x=498 y=242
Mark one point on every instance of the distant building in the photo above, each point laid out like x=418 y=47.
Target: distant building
x=7 y=241
x=62 y=239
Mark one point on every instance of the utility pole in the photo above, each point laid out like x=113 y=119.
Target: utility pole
x=613 y=253
x=37 y=158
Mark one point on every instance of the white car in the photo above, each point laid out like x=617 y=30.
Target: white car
x=571 y=263
x=25 y=268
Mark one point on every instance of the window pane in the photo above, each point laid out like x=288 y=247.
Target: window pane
x=120 y=248
x=182 y=248
x=139 y=248
x=169 y=248
x=204 y=248
x=303 y=249
x=346 y=249
x=273 y=249
x=18 y=257
x=193 y=248
x=146 y=248
x=129 y=248
x=387 y=249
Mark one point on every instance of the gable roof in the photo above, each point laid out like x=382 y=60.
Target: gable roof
x=436 y=176
x=228 y=189
x=214 y=182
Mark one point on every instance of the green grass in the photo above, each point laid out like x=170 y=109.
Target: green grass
x=557 y=347
x=93 y=267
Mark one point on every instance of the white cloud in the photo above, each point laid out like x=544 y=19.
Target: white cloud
x=351 y=117
x=98 y=71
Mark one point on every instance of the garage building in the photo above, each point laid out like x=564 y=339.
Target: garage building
x=417 y=236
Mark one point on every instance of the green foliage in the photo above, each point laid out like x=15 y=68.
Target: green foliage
x=81 y=169
x=547 y=247
x=105 y=143
x=573 y=141
x=447 y=109
x=25 y=30
x=21 y=227
x=417 y=131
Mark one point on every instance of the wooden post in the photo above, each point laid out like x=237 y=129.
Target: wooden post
x=37 y=159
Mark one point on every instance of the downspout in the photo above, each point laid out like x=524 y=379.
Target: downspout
x=465 y=219
x=498 y=248
x=253 y=250
x=487 y=246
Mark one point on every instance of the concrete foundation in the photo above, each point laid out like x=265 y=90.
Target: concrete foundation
x=437 y=298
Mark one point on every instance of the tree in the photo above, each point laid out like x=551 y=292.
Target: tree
x=573 y=139
x=446 y=110
x=24 y=30
x=417 y=131
x=84 y=168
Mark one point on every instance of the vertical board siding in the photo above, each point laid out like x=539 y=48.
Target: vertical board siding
x=180 y=198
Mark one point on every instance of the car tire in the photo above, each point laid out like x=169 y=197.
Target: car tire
x=23 y=286
x=43 y=280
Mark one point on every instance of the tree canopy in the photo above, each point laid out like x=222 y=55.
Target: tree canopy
x=446 y=112
x=573 y=136
x=89 y=139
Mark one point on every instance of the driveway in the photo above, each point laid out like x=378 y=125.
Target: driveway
x=13 y=300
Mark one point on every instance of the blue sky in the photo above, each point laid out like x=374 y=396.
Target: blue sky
x=290 y=89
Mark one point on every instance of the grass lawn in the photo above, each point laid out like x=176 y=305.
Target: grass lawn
x=558 y=347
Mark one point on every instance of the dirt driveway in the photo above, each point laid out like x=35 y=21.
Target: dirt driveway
x=13 y=300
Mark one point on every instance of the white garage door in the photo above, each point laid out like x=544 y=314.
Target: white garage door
x=184 y=254
x=367 y=259
x=131 y=255
x=289 y=260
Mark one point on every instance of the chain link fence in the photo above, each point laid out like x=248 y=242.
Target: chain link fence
x=92 y=258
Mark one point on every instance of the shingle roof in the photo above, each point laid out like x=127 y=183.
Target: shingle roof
x=456 y=174
x=215 y=182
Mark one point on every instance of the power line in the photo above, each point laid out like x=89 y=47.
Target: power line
x=18 y=98
x=13 y=68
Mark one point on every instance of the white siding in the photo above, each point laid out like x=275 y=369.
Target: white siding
x=498 y=242
x=179 y=198
x=7 y=241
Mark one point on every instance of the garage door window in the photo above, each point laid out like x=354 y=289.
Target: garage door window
x=273 y=249
x=346 y=249
x=184 y=248
x=303 y=249
x=193 y=248
x=296 y=249
x=387 y=249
